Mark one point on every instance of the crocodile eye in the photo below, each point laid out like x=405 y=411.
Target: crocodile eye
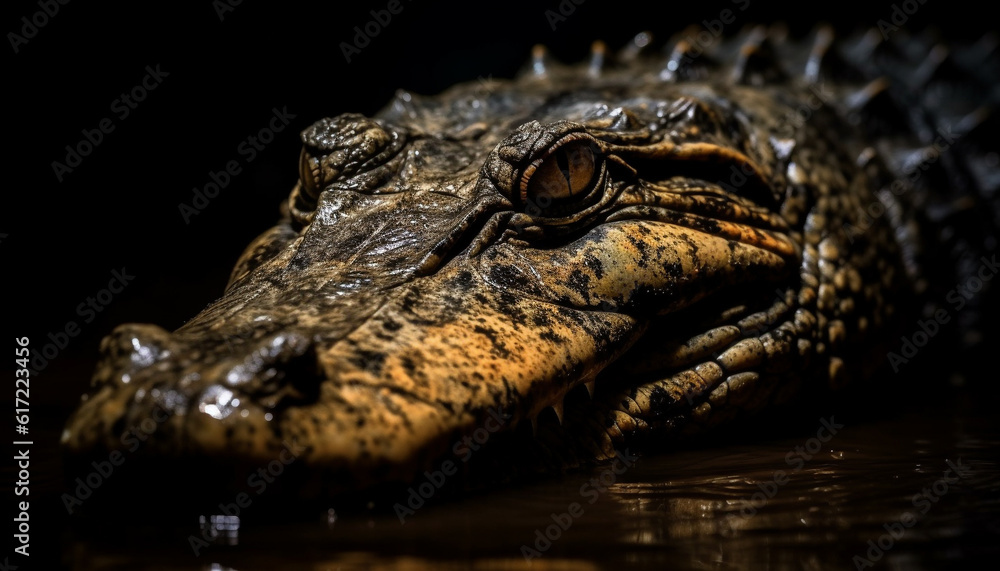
x=337 y=149
x=567 y=172
x=310 y=173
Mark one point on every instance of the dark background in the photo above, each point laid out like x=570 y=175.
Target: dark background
x=119 y=208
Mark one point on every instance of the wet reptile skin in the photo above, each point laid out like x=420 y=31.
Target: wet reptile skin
x=687 y=238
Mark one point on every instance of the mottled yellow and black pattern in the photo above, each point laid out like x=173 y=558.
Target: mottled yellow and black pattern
x=686 y=239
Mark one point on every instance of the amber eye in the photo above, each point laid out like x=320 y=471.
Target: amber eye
x=310 y=173
x=567 y=172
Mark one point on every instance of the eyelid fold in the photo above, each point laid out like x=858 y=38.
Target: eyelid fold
x=573 y=141
x=335 y=149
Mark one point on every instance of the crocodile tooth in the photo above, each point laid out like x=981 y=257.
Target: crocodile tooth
x=873 y=45
x=909 y=47
x=539 y=61
x=671 y=71
x=632 y=49
x=597 y=52
x=925 y=161
x=943 y=213
x=937 y=66
x=559 y=408
x=867 y=156
x=872 y=106
x=685 y=62
x=826 y=60
x=910 y=159
x=973 y=122
x=975 y=134
x=778 y=32
x=866 y=95
x=591 y=387
x=944 y=65
x=757 y=62
x=534 y=425
x=985 y=49
x=817 y=56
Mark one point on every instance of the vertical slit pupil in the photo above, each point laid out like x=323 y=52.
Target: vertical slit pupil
x=567 y=172
x=562 y=161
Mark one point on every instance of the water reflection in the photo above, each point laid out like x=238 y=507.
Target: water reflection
x=220 y=529
x=882 y=491
x=915 y=491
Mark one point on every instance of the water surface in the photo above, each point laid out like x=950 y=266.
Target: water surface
x=917 y=489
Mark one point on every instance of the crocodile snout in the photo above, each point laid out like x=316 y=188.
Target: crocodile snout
x=131 y=348
x=221 y=395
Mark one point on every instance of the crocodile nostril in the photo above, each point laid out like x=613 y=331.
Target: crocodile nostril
x=131 y=348
x=143 y=343
x=281 y=367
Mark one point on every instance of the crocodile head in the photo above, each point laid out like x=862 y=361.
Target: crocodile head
x=487 y=254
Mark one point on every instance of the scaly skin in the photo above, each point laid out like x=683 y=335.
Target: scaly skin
x=678 y=239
